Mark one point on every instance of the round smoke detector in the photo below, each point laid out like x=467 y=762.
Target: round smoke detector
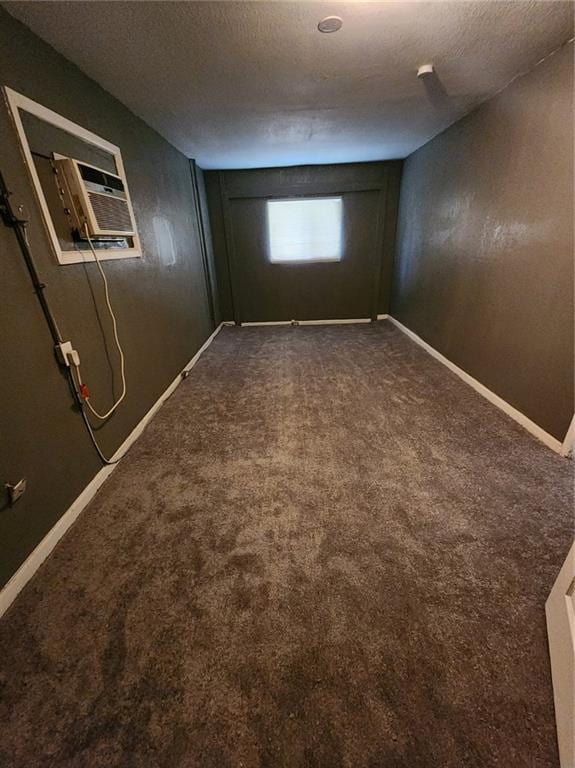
x=330 y=24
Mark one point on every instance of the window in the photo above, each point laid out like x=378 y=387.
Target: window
x=305 y=230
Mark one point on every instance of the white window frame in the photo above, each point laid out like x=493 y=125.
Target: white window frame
x=16 y=103
x=300 y=262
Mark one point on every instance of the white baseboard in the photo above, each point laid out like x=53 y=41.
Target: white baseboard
x=270 y=322
x=29 y=567
x=345 y=321
x=383 y=317
x=563 y=448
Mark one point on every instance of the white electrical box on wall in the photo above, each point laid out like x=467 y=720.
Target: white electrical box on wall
x=97 y=200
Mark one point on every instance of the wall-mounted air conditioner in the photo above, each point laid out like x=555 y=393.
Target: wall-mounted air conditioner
x=96 y=199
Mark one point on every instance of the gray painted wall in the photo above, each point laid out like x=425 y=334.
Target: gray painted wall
x=253 y=289
x=484 y=269
x=162 y=308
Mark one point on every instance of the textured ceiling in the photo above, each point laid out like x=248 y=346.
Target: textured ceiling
x=247 y=84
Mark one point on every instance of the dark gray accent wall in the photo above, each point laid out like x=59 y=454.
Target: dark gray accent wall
x=160 y=301
x=251 y=288
x=484 y=269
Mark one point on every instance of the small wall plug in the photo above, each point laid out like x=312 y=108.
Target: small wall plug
x=67 y=355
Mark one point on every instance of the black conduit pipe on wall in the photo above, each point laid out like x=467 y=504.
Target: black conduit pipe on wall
x=15 y=219
x=17 y=222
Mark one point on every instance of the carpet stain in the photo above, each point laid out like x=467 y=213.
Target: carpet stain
x=326 y=551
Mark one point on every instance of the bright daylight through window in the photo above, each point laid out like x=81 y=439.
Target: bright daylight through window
x=305 y=230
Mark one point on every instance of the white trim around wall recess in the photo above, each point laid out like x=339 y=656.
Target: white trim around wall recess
x=29 y=567
x=345 y=321
x=15 y=102
x=562 y=448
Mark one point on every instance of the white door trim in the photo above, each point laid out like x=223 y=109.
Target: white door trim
x=567 y=445
x=29 y=567
x=559 y=609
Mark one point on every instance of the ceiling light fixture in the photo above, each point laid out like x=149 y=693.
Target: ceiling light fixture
x=330 y=24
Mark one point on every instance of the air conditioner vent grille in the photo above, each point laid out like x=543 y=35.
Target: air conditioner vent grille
x=111 y=213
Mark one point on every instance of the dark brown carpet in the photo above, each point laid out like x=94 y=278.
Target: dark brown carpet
x=325 y=551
